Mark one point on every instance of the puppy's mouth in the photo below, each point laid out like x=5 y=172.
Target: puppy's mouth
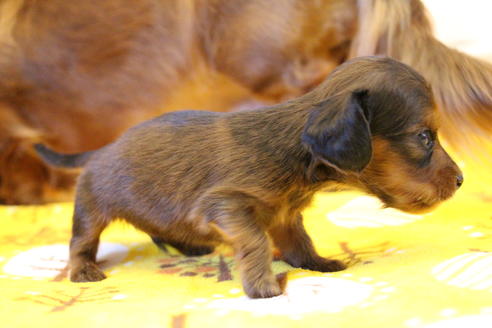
x=416 y=205
x=421 y=205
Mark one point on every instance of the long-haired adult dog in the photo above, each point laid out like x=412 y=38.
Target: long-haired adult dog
x=76 y=74
x=193 y=179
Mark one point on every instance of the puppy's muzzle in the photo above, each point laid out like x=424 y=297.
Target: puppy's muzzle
x=459 y=180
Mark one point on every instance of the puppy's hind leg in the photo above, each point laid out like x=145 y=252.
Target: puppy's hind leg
x=236 y=214
x=183 y=247
x=298 y=250
x=87 y=227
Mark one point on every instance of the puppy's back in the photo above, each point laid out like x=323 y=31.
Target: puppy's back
x=160 y=165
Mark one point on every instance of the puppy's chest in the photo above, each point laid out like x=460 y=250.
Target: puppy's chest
x=291 y=206
x=299 y=199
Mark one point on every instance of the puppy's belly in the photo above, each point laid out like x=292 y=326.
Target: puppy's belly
x=180 y=230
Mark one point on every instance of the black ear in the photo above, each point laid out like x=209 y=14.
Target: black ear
x=337 y=132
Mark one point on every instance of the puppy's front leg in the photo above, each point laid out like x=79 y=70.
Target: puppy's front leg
x=254 y=255
x=297 y=248
x=236 y=215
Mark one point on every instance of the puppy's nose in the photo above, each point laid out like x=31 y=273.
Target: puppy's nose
x=459 y=180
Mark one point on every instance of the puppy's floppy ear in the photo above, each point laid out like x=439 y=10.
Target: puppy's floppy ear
x=337 y=132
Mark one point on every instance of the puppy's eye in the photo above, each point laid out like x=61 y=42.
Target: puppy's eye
x=426 y=139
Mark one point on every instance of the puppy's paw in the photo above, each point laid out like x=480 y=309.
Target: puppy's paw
x=324 y=265
x=183 y=248
x=88 y=273
x=263 y=288
x=196 y=250
x=161 y=243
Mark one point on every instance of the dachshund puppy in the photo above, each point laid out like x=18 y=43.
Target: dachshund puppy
x=194 y=179
x=77 y=83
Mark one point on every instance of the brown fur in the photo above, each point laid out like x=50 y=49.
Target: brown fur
x=77 y=83
x=462 y=84
x=195 y=179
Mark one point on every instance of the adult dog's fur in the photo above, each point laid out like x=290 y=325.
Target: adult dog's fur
x=193 y=179
x=76 y=74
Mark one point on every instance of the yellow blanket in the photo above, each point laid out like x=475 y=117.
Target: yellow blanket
x=432 y=270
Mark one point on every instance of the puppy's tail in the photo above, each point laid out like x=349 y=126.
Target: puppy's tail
x=62 y=160
x=462 y=84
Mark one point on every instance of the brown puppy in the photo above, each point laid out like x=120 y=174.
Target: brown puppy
x=194 y=179
x=77 y=83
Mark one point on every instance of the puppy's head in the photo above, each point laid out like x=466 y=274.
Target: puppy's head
x=377 y=130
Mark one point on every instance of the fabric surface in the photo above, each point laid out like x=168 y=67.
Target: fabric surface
x=432 y=270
